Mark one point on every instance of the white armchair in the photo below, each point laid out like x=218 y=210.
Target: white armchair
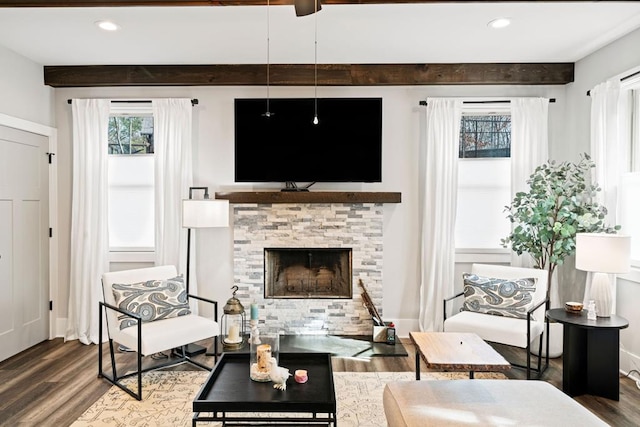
x=149 y=313
x=517 y=332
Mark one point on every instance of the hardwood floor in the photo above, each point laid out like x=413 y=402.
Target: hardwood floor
x=53 y=383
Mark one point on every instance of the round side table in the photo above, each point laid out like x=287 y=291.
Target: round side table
x=590 y=353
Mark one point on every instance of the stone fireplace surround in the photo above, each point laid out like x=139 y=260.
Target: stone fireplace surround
x=357 y=226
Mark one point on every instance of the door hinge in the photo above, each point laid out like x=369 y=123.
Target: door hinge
x=50 y=232
x=50 y=305
x=50 y=155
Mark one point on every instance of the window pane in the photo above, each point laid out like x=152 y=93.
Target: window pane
x=131 y=202
x=630 y=212
x=130 y=135
x=483 y=192
x=485 y=136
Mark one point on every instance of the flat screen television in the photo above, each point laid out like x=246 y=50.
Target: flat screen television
x=286 y=146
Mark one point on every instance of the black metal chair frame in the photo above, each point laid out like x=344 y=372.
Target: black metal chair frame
x=539 y=370
x=115 y=379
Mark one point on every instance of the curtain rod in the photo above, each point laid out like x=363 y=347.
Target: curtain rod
x=621 y=79
x=194 y=101
x=501 y=101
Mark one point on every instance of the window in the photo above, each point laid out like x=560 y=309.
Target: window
x=485 y=136
x=130 y=135
x=131 y=179
x=629 y=204
x=484 y=177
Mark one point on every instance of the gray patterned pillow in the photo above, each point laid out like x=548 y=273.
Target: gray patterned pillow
x=501 y=297
x=152 y=300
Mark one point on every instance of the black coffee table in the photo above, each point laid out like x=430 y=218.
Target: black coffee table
x=230 y=396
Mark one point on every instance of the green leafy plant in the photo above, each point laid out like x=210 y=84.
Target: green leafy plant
x=560 y=203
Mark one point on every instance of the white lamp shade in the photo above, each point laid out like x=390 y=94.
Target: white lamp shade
x=205 y=213
x=603 y=253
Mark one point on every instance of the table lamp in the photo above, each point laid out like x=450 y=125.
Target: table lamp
x=602 y=254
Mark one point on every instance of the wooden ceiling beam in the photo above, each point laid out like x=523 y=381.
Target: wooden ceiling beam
x=124 y=3
x=303 y=74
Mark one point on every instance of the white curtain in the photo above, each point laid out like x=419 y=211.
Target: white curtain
x=608 y=151
x=439 y=138
x=89 y=217
x=173 y=177
x=529 y=148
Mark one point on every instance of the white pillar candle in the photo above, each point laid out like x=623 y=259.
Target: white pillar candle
x=234 y=333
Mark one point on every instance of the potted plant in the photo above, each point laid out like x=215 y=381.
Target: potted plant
x=560 y=203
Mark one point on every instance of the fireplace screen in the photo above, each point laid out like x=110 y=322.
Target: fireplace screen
x=307 y=273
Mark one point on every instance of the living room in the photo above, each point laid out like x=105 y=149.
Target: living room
x=26 y=98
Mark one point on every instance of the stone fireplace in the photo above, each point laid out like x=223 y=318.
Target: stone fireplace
x=310 y=228
x=307 y=273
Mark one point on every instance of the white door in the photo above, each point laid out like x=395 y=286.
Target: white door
x=24 y=247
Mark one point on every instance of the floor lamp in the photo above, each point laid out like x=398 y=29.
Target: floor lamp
x=201 y=213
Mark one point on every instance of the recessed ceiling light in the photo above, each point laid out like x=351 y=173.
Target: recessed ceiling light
x=108 y=25
x=499 y=23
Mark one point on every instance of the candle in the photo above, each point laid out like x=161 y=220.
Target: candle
x=234 y=333
x=264 y=356
x=254 y=311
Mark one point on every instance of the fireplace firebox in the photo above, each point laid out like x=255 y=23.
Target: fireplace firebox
x=307 y=273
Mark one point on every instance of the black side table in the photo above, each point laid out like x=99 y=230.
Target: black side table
x=591 y=353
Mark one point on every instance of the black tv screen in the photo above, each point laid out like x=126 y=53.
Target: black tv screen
x=345 y=145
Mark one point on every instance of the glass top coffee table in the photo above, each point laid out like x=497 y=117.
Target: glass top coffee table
x=231 y=397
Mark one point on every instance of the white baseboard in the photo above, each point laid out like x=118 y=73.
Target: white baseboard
x=630 y=362
x=404 y=326
x=61 y=327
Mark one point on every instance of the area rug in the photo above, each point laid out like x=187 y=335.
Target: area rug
x=168 y=396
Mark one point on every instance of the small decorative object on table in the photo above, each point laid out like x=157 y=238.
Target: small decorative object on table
x=301 y=376
x=591 y=313
x=232 y=323
x=278 y=375
x=573 y=307
x=267 y=347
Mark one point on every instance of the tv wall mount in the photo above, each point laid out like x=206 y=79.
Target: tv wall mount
x=292 y=186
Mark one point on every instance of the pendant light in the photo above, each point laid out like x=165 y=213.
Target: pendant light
x=315 y=68
x=268 y=113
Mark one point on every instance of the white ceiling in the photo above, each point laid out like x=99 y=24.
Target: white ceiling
x=402 y=33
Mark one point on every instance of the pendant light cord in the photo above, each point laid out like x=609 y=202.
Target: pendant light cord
x=315 y=68
x=268 y=113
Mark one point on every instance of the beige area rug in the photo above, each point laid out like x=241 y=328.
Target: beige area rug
x=167 y=399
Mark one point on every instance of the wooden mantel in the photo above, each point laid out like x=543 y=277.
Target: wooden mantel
x=268 y=197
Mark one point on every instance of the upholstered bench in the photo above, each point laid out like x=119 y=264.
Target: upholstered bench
x=482 y=403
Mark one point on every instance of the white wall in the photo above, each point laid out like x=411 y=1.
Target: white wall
x=22 y=91
x=613 y=60
x=213 y=154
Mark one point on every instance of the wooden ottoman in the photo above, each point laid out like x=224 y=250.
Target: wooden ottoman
x=482 y=403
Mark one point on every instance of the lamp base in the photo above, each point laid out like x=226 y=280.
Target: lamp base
x=601 y=294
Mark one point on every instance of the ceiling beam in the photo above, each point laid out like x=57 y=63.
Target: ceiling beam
x=303 y=74
x=116 y=3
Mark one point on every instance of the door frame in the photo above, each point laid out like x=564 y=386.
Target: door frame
x=52 y=135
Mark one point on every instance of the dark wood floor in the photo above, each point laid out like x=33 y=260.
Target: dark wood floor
x=53 y=383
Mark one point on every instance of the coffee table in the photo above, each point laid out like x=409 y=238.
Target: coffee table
x=232 y=398
x=456 y=351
